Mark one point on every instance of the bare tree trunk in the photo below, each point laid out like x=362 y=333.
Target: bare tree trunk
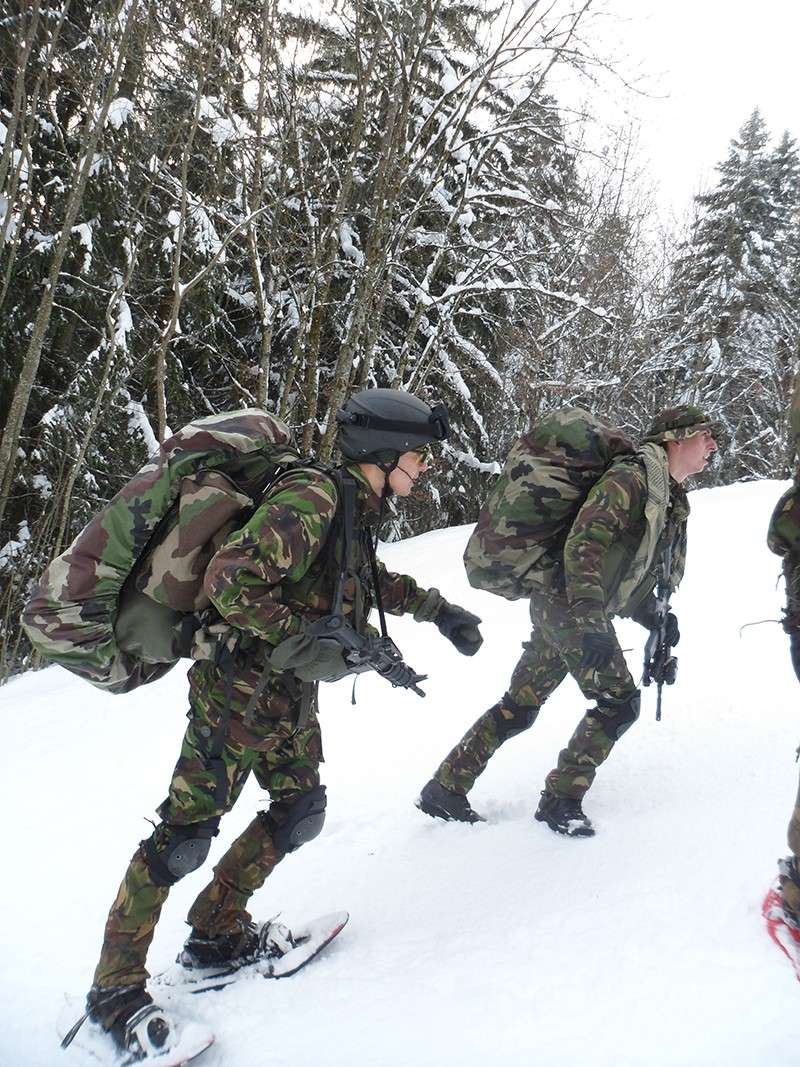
x=93 y=128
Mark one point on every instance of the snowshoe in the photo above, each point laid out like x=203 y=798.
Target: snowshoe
x=441 y=803
x=564 y=815
x=783 y=925
x=271 y=950
x=125 y=1028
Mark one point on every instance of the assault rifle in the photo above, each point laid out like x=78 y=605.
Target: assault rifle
x=660 y=666
x=362 y=653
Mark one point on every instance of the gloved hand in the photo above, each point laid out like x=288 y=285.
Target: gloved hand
x=311 y=659
x=598 y=650
x=460 y=627
x=646 y=616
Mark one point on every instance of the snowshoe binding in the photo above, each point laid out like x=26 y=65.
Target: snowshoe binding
x=126 y=1027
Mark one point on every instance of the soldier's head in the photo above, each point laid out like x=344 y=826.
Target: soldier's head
x=389 y=433
x=688 y=435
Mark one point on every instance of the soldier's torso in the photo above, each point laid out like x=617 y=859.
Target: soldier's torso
x=621 y=554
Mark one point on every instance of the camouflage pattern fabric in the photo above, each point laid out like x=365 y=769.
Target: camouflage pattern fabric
x=678 y=423
x=520 y=532
x=602 y=543
x=554 y=649
x=271 y=576
x=789 y=890
x=285 y=761
x=190 y=496
x=783 y=538
x=603 y=566
x=273 y=573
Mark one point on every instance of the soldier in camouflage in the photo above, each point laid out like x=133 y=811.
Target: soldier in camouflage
x=609 y=566
x=253 y=708
x=784 y=539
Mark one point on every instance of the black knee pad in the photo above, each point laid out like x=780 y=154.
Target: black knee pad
x=171 y=852
x=304 y=822
x=522 y=718
x=617 y=716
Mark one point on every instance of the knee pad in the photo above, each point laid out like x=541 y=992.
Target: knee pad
x=617 y=716
x=304 y=822
x=171 y=852
x=522 y=718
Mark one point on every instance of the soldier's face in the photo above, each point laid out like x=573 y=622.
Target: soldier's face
x=410 y=467
x=690 y=456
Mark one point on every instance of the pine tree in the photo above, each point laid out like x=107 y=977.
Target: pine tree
x=729 y=307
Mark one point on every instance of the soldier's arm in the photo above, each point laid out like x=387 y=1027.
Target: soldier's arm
x=279 y=543
x=401 y=595
x=614 y=504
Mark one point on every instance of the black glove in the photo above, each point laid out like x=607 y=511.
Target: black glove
x=598 y=650
x=647 y=616
x=460 y=627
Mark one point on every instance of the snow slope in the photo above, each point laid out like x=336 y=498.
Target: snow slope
x=499 y=943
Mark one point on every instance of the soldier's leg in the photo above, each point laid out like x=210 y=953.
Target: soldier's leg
x=288 y=768
x=613 y=689
x=199 y=794
x=790 y=874
x=539 y=671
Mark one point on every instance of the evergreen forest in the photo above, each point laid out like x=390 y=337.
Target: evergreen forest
x=214 y=204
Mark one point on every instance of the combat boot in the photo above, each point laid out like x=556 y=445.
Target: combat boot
x=138 y=1027
x=202 y=951
x=443 y=803
x=229 y=952
x=563 y=815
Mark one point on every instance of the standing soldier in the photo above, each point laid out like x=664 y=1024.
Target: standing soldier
x=303 y=549
x=782 y=906
x=633 y=517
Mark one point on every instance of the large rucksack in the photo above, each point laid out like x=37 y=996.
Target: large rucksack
x=113 y=606
x=521 y=529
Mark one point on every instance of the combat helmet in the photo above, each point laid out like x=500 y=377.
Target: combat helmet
x=379 y=425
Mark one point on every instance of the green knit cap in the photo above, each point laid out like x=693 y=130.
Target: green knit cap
x=678 y=423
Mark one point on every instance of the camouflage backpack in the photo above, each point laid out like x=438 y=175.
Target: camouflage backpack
x=114 y=607
x=522 y=527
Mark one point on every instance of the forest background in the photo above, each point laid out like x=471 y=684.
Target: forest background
x=216 y=204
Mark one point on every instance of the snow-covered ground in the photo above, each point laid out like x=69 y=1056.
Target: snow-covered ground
x=499 y=943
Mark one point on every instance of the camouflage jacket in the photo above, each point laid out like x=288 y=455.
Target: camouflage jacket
x=605 y=538
x=280 y=569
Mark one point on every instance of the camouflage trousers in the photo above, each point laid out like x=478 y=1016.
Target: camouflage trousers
x=789 y=889
x=283 y=755
x=554 y=650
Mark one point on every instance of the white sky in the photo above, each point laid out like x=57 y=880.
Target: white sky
x=706 y=64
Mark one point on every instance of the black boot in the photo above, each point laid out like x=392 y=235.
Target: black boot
x=443 y=803
x=138 y=1027
x=235 y=950
x=564 y=816
x=231 y=951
